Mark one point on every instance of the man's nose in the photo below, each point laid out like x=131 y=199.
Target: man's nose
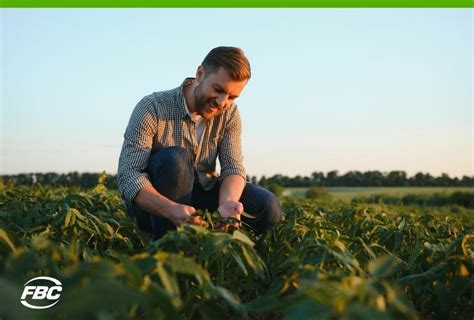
x=221 y=101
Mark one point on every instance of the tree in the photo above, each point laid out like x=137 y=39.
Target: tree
x=317 y=178
x=332 y=178
x=467 y=181
x=444 y=181
x=372 y=179
x=397 y=178
x=352 y=179
x=263 y=181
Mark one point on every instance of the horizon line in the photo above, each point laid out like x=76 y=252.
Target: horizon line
x=340 y=173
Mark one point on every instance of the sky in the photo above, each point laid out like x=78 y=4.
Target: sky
x=331 y=89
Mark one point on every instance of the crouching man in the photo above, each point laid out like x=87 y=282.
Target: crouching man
x=168 y=160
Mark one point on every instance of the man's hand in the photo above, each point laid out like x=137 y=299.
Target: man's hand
x=229 y=195
x=231 y=209
x=180 y=213
x=152 y=201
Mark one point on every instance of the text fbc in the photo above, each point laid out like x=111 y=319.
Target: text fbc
x=41 y=292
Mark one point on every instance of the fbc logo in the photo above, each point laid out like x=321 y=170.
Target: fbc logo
x=36 y=293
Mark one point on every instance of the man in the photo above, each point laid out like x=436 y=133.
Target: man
x=168 y=159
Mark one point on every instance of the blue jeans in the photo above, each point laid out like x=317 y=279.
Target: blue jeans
x=172 y=174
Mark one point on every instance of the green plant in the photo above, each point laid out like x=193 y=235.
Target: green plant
x=333 y=259
x=317 y=193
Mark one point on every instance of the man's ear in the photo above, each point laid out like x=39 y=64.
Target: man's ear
x=200 y=73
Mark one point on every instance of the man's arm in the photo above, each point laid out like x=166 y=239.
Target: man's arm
x=133 y=182
x=229 y=194
x=232 y=169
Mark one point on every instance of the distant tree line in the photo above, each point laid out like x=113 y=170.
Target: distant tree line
x=330 y=179
x=72 y=179
x=437 y=199
x=365 y=179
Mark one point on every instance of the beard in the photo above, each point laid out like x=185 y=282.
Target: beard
x=199 y=100
x=203 y=104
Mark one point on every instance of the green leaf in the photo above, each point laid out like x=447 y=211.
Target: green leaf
x=110 y=230
x=228 y=296
x=382 y=266
x=184 y=265
x=170 y=284
x=239 y=261
x=242 y=237
x=85 y=227
x=253 y=260
x=4 y=236
x=247 y=215
x=402 y=224
x=67 y=220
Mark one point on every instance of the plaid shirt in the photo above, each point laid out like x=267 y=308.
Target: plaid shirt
x=160 y=120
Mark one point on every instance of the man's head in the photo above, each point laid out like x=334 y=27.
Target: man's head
x=220 y=79
x=232 y=59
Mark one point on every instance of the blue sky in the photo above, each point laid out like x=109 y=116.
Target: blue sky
x=344 y=89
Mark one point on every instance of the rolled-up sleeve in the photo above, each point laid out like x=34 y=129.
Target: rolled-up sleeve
x=136 y=149
x=230 y=151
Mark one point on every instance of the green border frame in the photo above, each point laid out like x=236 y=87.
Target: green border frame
x=237 y=4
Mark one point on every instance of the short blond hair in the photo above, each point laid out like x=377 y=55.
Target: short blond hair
x=232 y=59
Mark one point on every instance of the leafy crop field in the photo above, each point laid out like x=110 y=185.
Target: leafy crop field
x=348 y=193
x=330 y=260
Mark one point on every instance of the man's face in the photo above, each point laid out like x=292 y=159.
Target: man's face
x=215 y=92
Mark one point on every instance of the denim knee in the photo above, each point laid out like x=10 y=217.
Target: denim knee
x=272 y=210
x=263 y=204
x=176 y=160
x=171 y=173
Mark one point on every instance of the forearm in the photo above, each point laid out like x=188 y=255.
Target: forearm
x=153 y=202
x=231 y=188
